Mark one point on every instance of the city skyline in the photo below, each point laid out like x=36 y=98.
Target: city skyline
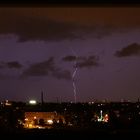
x=41 y=47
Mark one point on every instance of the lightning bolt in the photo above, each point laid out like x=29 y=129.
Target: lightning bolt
x=74 y=75
x=74 y=86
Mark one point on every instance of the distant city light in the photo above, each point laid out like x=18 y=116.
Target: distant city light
x=41 y=127
x=33 y=102
x=26 y=119
x=103 y=118
x=30 y=125
x=7 y=103
x=50 y=121
x=106 y=118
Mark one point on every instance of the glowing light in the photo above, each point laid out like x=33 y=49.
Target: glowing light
x=40 y=127
x=7 y=103
x=102 y=118
x=26 y=119
x=101 y=112
x=99 y=119
x=33 y=102
x=30 y=125
x=50 y=121
x=34 y=117
x=106 y=118
x=106 y=115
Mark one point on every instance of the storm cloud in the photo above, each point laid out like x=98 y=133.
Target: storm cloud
x=88 y=62
x=69 y=58
x=130 y=50
x=27 y=28
x=35 y=28
x=40 y=69
x=11 y=64
x=82 y=62
x=46 y=68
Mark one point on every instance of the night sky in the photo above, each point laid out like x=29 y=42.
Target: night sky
x=41 y=47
